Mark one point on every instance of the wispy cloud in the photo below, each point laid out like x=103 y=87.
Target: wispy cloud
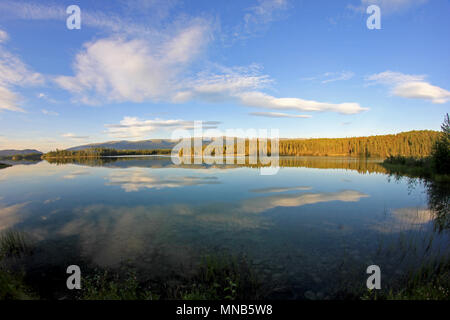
x=49 y=113
x=388 y=6
x=337 y=76
x=281 y=189
x=260 y=16
x=150 y=65
x=278 y=115
x=48 y=201
x=262 y=100
x=223 y=83
x=132 y=127
x=106 y=21
x=244 y=85
x=410 y=86
x=331 y=77
x=74 y=136
x=13 y=73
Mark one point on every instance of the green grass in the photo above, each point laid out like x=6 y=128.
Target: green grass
x=105 y=285
x=12 y=286
x=430 y=282
x=14 y=244
x=218 y=278
x=224 y=278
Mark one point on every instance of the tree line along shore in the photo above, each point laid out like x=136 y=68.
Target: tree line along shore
x=405 y=144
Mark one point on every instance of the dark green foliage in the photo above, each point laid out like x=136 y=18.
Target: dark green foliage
x=436 y=166
x=441 y=149
x=12 y=287
x=218 y=278
x=429 y=282
x=108 y=286
x=13 y=244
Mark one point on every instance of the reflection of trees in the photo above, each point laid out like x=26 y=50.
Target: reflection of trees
x=362 y=165
x=91 y=162
x=438 y=194
x=439 y=202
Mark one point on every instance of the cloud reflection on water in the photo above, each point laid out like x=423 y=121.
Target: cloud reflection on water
x=138 y=178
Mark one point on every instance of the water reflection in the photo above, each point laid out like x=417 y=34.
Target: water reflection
x=439 y=202
x=75 y=174
x=361 y=165
x=298 y=225
x=11 y=215
x=280 y=189
x=261 y=204
x=139 y=178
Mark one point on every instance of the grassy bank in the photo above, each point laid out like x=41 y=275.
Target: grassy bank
x=3 y=165
x=414 y=168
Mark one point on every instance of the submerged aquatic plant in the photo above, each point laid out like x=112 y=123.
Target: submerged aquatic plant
x=14 y=243
x=225 y=278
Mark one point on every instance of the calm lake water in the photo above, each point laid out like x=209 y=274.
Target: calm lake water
x=313 y=227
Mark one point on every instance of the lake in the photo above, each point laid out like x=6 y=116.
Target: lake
x=313 y=228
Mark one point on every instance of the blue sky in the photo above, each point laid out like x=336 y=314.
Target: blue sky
x=139 y=69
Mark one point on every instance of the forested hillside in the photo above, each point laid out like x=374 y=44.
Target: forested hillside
x=410 y=144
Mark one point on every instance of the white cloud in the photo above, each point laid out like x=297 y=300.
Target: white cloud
x=411 y=86
x=388 y=6
x=243 y=86
x=74 y=136
x=262 y=100
x=391 y=77
x=49 y=113
x=422 y=90
x=13 y=72
x=331 y=77
x=154 y=69
x=132 y=127
x=3 y=36
x=96 y=19
x=224 y=84
x=278 y=115
x=338 y=76
x=9 y=100
x=261 y=15
x=116 y=69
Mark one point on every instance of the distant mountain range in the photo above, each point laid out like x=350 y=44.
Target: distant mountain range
x=12 y=152
x=130 y=145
